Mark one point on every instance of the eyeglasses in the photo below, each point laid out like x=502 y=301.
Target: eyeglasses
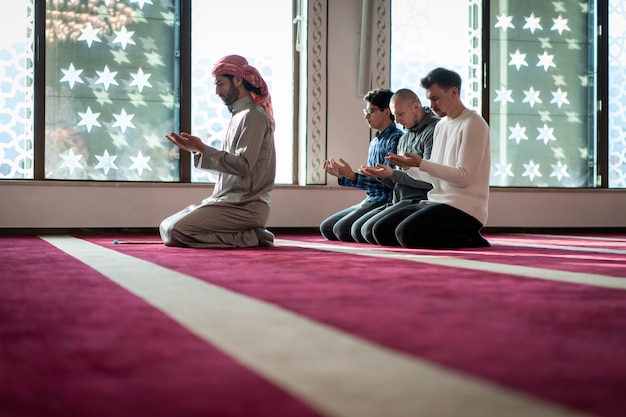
x=370 y=110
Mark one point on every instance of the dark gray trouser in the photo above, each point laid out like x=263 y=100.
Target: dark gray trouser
x=339 y=225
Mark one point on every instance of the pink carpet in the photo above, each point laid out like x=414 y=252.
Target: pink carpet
x=72 y=343
x=73 y=333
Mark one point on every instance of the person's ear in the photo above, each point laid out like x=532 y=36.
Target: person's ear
x=237 y=81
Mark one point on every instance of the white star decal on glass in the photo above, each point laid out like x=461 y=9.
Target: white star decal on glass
x=559 y=6
x=503 y=95
x=154 y=59
x=120 y=57
x=137 y=100
x=584 y=153
x=545 y=116
x=546 y=133
x=558 y=152
x=106 y=162
x=88 y=119
x=573 y=117
x=584 y=80
x=559 y=79
x=518 y=133
x=123 y=120
x=89 y=34
x=532 y=23
x=102 y=97
x=559 y=171
x=559 y=97
x=140 y=163
x=531 y=96
x=70 y=161
x=560 y=24
x=518 y=59
x=572 y=44
x=106 y=77
x=141 y=2
x=545 y=43
x=504 y=22
x=119 y=140
x=531 y=170
x=546 y=61
x=154 y=141
x=124 y=37
x=140 y=80
x=503 y=170
x=72 y=75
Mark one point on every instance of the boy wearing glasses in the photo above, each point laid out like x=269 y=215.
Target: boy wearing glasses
x=378 y=116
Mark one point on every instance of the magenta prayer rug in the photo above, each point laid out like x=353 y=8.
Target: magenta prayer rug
x=533 y=325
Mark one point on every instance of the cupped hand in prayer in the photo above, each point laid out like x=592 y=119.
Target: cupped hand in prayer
x=186 y=142
x=405 y=161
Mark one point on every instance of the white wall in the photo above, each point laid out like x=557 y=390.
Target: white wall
x=122 y=205
x=70 y=205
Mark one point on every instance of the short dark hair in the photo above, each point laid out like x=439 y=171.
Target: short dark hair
x=380 y=98
x=445 y=78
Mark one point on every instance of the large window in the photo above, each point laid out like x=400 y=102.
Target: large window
x=617 y=94
x=540 y=93
x=16 y=89
x=271 y=53
x=444 y=39
x=110 y=90
x=112 y=84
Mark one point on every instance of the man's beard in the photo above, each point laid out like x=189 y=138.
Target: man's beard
x=231 y=96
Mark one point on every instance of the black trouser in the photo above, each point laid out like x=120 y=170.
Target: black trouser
x=429 y=226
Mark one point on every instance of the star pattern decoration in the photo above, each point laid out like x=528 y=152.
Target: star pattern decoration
x=124 y=38
x=503 y=170
x=106 y=77
x=504 y=22
x=70 y=161
x=531 y=96
x=560 y=25
x=89 y=119
x=140 y=162
x=531 y=170
x=533 y=23
x=546 y=61
x=559 y=171
x=518 y=59
x=559 y=97
x=546 y=134
x=71 y=75
x=111 y=66
x=140 y=80
x=106 y=162
x=518 y=133
x=123 y=120
x=504 y=96
x=89 y=34
x=547 y=94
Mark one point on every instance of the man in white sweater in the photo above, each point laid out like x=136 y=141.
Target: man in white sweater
x=458 y=169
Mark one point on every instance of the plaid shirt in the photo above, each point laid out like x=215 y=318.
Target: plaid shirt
x=384 y=142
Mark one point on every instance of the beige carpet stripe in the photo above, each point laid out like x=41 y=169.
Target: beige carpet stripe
x=333 y=372
x=524 y=271
x=503 y=241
